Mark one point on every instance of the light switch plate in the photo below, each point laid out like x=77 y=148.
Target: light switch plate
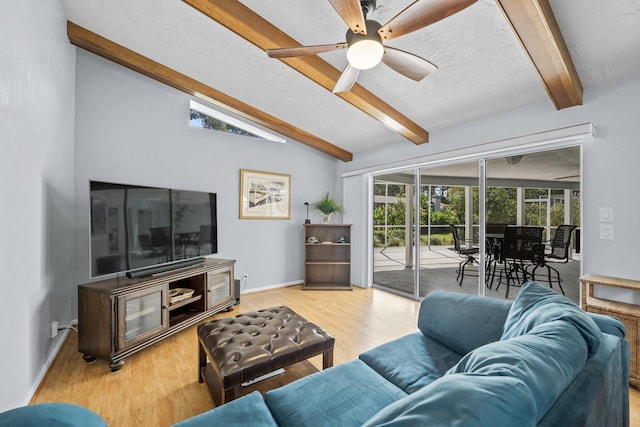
x=606 y=215
x=605 y=232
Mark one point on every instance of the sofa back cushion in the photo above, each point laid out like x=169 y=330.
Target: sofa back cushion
x=462 y=400
x=462 y=322
x=547 y=360
x=536 y=304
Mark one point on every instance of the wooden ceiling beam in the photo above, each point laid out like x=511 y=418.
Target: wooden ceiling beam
x=536 y=28
x=101 y=46
x=252 y=27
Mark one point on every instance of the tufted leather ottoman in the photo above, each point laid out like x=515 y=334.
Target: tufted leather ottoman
x=249 y=345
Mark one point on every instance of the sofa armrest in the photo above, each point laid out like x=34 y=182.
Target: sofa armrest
x=609 y=325
x=462 y=322
x=52 y=414
x=250 y=409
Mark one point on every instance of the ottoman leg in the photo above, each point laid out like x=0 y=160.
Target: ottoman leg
x=229 y=394
x=221 y=396
x=202 y=356
x=327 y=359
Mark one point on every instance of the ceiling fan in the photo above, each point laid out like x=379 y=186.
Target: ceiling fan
x=365 y=38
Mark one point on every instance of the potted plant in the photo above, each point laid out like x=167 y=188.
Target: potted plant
x=327 y=206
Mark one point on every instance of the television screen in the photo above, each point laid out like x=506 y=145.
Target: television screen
x=134 y=226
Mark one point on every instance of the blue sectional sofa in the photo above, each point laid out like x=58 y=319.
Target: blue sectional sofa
x=53 y=414
x=476 y=361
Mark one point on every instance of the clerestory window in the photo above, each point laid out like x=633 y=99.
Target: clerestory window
x=209 y=118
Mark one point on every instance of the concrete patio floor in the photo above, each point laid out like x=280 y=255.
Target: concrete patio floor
x=438 y=266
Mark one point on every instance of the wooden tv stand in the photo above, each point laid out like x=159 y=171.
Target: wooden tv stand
x=120 y=316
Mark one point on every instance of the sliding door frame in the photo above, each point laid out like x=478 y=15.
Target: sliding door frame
x=482 y=158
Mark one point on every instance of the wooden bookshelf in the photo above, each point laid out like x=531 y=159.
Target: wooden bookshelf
x=327 y=264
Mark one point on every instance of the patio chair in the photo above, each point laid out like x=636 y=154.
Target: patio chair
x=467 y=253
x=521 y=247
x=494 y=235
x=558 y=254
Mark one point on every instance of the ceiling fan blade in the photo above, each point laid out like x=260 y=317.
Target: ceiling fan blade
x=288 y=52
x=347 y=79
x=407 y=64
x=420 y=14
x=351 y=12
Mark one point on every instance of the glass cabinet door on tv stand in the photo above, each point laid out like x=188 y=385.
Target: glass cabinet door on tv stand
x=219 y=287
x=143 y=314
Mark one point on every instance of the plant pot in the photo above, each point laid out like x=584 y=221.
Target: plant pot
x=326 y=218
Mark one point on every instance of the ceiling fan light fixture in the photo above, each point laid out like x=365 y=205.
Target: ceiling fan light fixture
x=365 y=54
x=365 y=50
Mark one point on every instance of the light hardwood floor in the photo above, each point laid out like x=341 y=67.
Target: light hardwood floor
x=159 y=385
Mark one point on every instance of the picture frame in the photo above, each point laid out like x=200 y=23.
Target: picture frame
x=264 y=195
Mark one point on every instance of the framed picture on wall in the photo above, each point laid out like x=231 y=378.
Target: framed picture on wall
x=264 y=195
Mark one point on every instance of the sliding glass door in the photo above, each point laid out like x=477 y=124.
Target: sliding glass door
x=419 y=212
x=414 y=250
x=393 y=232
x=449 y=204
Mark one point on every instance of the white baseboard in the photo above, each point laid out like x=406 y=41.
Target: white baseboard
x=281 y=285
x=266 y=288
x=59 y=340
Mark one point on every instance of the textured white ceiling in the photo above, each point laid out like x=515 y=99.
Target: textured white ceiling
x=482 y=68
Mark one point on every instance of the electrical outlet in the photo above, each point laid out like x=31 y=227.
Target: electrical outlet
x=245 y=277
x=54 y=328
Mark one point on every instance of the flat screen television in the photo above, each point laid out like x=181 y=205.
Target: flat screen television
x=135 y=227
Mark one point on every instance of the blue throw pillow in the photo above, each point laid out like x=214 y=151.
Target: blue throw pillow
x=462 y=400
x=537 y=304
x=547 y=360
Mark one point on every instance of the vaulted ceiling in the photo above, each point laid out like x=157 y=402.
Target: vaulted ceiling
x=492 y=56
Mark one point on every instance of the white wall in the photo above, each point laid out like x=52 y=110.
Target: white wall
x=36 y=190
x=610 y=165
x=131 y=129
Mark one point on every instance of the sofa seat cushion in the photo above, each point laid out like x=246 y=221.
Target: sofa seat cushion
x=249 y=410
x=463 y=400
x=446 y=316
x=347 y=394
x=547 y=360
x=536 y=304
x=411 y=362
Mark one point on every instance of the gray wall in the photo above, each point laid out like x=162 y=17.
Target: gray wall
x=36 y=190
x=610 y=165
x=133 y=130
